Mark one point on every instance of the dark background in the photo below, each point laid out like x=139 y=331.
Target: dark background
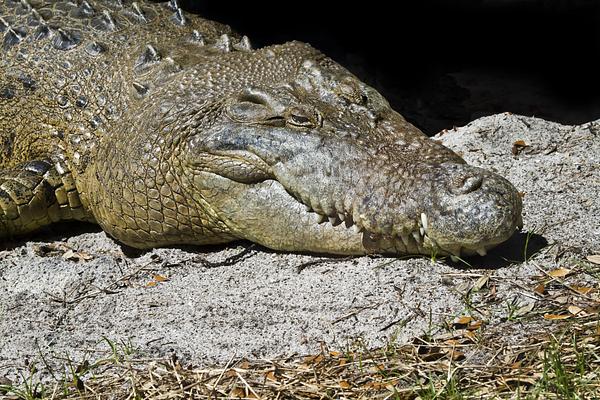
x=445 y=63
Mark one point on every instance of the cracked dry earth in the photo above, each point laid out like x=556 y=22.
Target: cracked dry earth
x=62 y=292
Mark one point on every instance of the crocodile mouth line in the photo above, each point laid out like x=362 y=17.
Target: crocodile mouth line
x=415 y=240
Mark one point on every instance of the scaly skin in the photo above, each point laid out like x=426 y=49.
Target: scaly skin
x=167 y=129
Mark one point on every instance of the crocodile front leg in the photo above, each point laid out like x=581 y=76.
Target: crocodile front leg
x=35 y=194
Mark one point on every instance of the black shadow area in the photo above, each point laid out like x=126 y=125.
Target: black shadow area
x=52 y=233
x=519 y=248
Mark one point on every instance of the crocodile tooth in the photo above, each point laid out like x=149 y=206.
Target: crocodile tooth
x=454 y=258
x=405 y=238
x=424 y=221
x=341 y=217
x=307 y=208
x=422 y=231
x=356 y=229
x=321 y=218
x=333 y=220
x=481 y=251
x=416 y=236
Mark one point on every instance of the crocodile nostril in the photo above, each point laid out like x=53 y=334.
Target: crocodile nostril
x=468 y=184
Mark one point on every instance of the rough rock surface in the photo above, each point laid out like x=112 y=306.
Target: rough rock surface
x=63 y=292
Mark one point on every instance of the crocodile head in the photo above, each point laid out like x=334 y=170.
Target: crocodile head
x=301 y=155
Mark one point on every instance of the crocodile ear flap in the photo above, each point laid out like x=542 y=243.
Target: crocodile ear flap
x=245 y=111
x=254 y=105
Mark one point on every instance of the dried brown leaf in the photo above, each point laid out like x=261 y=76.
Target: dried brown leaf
x=516 y=365
x=559 y=272
x=240 y=393
x=556 y=316
x=230 y=373
x=582 y=289
x=576 y=310
x=451 y=342
x=345 y=385
x=76 y=256
x=463 y=320
x=160 y=278
x=518 y=146
x=473 y=326
x=313 y=359
x=481 y=282
x=594 y=258
x=470 y=335
x=374 y=385
x=540 y=289
x=454 y=355
x=271 y=376
x=50 y=249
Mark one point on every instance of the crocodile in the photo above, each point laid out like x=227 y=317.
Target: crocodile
x=169 y=129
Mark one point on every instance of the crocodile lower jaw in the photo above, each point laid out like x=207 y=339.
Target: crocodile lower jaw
x=410 y=241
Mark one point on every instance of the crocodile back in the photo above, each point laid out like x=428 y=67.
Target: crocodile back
x=70 y=70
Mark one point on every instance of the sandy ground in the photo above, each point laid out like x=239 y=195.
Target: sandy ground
x=63 y=292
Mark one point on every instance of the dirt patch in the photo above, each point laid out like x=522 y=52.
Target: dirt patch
x=63 y=295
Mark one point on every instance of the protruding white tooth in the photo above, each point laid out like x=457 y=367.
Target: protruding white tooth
x=307 y=208
x=334 y=221
x=356 y=229
x=422 y=231
x=481 y=251
x=404 y=237
x=416 y=236
x=321 y=218
x=424 y=221
x=341 y=217
x=454 y=258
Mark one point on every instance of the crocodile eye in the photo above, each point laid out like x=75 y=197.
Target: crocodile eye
x=302 y=118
